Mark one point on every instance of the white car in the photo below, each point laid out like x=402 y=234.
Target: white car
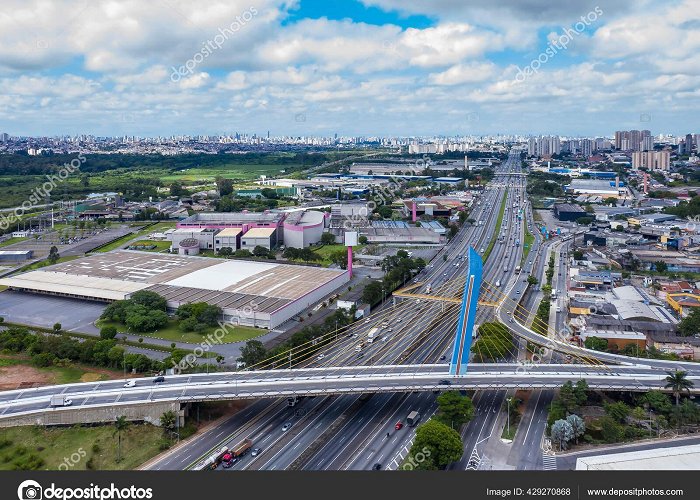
x=286 y=426
x=320 y=357
x=130 y=383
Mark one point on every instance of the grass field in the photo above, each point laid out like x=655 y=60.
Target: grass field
x=528 y=240
x=231 y=172
x=58 y=374
x=11 y=241
x=78 y=447
x=326 y=250
x=161 y=246
x=121 y=242
x=172 y=333
x=45 y=263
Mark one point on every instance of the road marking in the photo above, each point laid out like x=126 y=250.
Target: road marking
x=549 y=462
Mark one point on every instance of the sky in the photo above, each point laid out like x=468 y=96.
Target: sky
x=349 y=67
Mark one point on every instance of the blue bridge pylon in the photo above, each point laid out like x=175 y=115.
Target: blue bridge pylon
x=467 y=315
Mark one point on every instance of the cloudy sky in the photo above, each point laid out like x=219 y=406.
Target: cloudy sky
x=352 y=67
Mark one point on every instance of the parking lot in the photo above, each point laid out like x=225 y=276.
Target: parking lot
x=45 y=311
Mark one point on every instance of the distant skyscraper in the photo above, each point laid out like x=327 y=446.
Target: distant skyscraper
x=647 y=143
x=4 y=137
x=652 y=160
x=689 y=143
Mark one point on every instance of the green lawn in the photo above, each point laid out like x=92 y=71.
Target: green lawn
x=11 y=241
x=528 y=240
x=161 y=246
x=326 y=250
x=69 y=374
x=172 y=333
x=45 y=263
x=233 y=171
x=95 y=447
x=121 y=242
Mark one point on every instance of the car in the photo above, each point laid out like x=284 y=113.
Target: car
x=159 y=379
x=398 y=426
x=67 y=402
x=510 y=320
x=445 y=382
x=286 y=426
x=517 y=291
x=320 y=357
x=354 y=335
x=444 y=274
x=443 y=357
x=398 y=320
x=130 y=383
x=377 y=466
x=255 y=452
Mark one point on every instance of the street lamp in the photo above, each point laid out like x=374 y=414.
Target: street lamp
x=508 y=412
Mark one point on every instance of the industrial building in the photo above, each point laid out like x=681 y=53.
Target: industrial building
x=265 y=237
x=223 y=220
x=228 y=238
x=203 y=236
x=568 y=212
x=303 y=228
x=261 y=294
x=603 y=188
x=15 y=255
x=407 y=235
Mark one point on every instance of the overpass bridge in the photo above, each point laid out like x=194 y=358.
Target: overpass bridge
x=103 y=401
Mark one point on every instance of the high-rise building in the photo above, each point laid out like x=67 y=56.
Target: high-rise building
x=532 y=146
x=647 y=143
x=632 y=140
x=689 y=143
x=4 y=137
x=652 y=160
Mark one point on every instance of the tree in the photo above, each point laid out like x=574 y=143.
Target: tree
x=585 y=221
x=120 y=424
x=454 y=409
x=252 y=353
x=225 y=186
x=372 y=292
x=596 y=343
x=568 y=397
x=618 y=410
x=581 y=392
x=532 y=280
x=57 y=327
x=328 y=238
x=362 y=239
x=167 y=420
x=578 y=426
x=108 y=332
x=260 y=251
x=150 y=300
x=678 y=382
x=660 y=266
x=611 y=200
x=658 y=401
x=690 y=325
x=610 y=430
x=339 y=258
x=562 y=432
x=442 y=445
x=578 y=255
x=225 y=251
x=53 y=255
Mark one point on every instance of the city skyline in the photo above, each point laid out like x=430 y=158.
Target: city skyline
x=369 y=67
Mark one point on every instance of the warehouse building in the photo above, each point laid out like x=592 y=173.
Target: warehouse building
x=223 y=220
x=568 y=212
x=261 y=294
x=204 y=237
x=228 y=238
x=15 y=255
x=265 y=237
x=303 y=228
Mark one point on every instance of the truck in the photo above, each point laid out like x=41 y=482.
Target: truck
x=413 y=418
x=554 y=293
x=231 y=456
x=292 y=400
x=498 y=283
x=60 y=400
x=373 y=335
x=215 y=459
x=428 y=288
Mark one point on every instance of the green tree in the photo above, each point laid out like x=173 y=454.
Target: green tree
x=150 y=300
x=108 y=332
x=120 y=425
x=660 y=266
x=618 y=410
x=260 y=251
x=578 y=426
x=578 y=255
x=596 y=343
x=443 y=444
x=53 y=255
x=658 y=401
x=611 y=200
x=562 y=433
x=611 y=430
x=252 y=353
x=678 y=382
x=363 y=240
x=167 y=420
x=454 y=409
x=532 y=280
x=57 y=327
x=690 y=325
x=372 y=292
x=328 y=238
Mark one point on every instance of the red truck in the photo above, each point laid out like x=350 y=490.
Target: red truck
x=232 y=455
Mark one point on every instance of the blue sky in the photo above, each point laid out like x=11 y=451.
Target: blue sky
x=352 y=67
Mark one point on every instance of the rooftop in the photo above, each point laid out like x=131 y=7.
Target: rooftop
x=260 y=232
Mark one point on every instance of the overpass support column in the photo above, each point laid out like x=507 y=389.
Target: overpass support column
x=467 y=315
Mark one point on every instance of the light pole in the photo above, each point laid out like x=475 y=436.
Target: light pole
x=508 y=412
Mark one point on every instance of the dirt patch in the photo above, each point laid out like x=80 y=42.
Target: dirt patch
x=20 y=376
